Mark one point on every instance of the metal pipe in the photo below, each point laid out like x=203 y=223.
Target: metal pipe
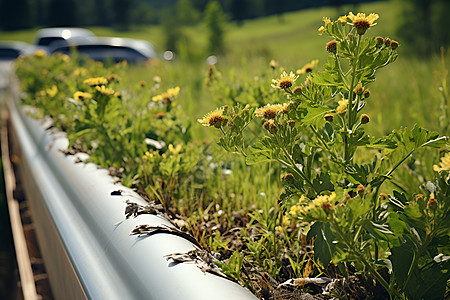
x=88 y=251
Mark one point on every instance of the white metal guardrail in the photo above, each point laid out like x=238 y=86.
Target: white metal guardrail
x=88 y=252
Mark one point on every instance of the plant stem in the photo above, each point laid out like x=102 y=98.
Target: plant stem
x=297 y=169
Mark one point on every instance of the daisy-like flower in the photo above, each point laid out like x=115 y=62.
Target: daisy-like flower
x=214 y=118
x=308 y=68
x=270 y=111
x=444 y=164
x=105 y=91
x=285 y=81
x=342 y=107
x=96 y=81
x=361 y=22
x=80 y=96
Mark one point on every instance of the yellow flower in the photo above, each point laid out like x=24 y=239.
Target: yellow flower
x=214 y=118
x=342 y=107
x=270 y=111
x=326 y=20
x=361 y=22
x=40 y=53
x=342 y=19
x=168 y=95
x=321 y=30
x=52 y=91
x=174 y=150
x=308 y=68
x=80 y=72
x=96 y=81
x=80 y=96
x=444 y=164
x=156 y=79
x=285 y=81
x=65 y=58
x=104 y=90
x=173 y=91
x=316 y=209
x=273 y=64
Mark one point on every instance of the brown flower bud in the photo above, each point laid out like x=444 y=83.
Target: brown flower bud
x=380 y=41
x=327 y=207
x=387 y=42
x=291 y=123
x=365 y=119
x=297 y=90
x=360 y=190
x=329 y=117
x=432 y=203
x=366 y=94
x=289 y=178
x=332 y=46
x=394 y=45
x=359 y=89
x=383 y=196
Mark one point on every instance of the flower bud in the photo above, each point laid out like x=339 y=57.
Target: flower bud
x=332 y=46
x=366 y=94
x=432 y=203
x=383 y=196
x=394 y=45
x=387 y=42
x=291 y=123
x=329 y=117
x=380 y=41
x=289 y=178
x=364 y=119
x=327 y=207
x=360 y=190
x=297 y=90
x=359 y=89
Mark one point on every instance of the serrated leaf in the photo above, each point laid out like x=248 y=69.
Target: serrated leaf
x=314 y=116
x=324 y=248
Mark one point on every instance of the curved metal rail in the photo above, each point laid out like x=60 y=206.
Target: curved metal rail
x=89 y=253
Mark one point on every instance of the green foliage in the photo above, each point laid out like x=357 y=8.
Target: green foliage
x=214 y=20
x=317 y=135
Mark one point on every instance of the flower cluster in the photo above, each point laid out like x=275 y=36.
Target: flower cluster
x=317 y=209
x=96 y=81
x=444 y=164
x=167 y=96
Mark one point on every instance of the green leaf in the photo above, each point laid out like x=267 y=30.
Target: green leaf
x=258 y=153
x=324 y=248
x=315 y=115
x=322 y=183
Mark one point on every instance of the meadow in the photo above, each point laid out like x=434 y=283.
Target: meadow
x=256 y=208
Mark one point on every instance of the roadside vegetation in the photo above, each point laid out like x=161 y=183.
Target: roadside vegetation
x=322 y=165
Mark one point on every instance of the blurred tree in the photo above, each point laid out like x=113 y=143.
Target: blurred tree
x=215 y=21
x=15 y=14
x=122 y=10
x=63 y=13
x=172 y=30
x=142 y=13
x=186 y=13
x=424 y=25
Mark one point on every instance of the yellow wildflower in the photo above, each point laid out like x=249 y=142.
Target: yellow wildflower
x=173 y=91
x=270 y=111
x=168 y=95
x=156 y=79
x=342 y=19
x=80 y=96
x=80 y=72
x=174 y=150
x=316 y=209
x=214 y=118
x=308 y=68
x=273 y=64
x=52 y=91
x=40 y=53
x=361 y=22
x=321 y=30
x=326 y=20
x=444 y=164
x=96 y=81
x=342 y=107
x=285 y=81
x=104 y=90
